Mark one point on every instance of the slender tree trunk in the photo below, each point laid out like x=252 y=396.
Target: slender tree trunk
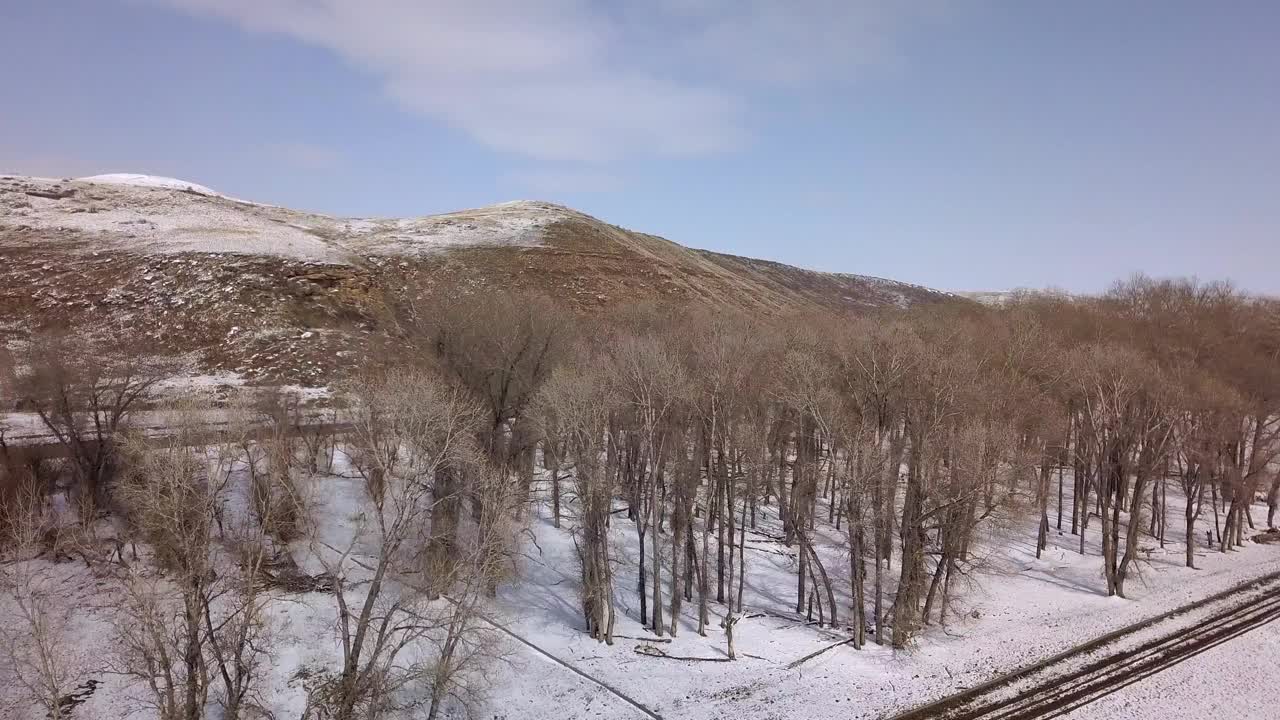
x=552 y=462
x=1132 y=532
x=679 y=516
x=911 y=572
x=1042 y=541
x=655 y=506
x=742 y=546
x=1164 y=507
x=877 y=521
x=643 y=584
x=1273 y=500
x=1190 y=515
x=690 y=559
x=934 y=584
x=1061 y=473
x=1217 y=529
x=703 y=579
x=722 y=482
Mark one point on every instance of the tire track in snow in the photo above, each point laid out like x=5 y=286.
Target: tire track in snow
x=1049 y=694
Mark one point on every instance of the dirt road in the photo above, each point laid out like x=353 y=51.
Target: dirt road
x=1069 y=680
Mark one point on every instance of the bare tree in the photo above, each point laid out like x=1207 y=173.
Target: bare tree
x=574 y=408
x=160 y=633
x=465 y=640
x=649 y=383
x=38 y=645
x=409 y=427
x=84 y=394
x=274 y=463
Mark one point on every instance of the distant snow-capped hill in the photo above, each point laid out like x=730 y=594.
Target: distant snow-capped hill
x=1003 y=297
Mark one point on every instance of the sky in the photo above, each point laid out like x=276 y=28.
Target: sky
x=959 y=144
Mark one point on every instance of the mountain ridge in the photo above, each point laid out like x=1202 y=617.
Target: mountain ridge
x=296 y=296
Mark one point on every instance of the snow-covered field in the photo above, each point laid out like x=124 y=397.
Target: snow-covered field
x=1016 y=610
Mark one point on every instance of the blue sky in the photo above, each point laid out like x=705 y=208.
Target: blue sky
x=971 y=144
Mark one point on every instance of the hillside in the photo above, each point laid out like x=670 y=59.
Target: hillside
x=275 y=293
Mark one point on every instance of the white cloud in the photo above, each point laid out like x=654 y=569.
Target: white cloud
x=581 y=80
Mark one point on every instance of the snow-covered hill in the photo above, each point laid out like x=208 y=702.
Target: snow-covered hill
x=271 y=292
x=159 y=215
x=147 y=181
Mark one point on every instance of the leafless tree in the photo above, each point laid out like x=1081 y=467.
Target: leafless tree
x=409 y=427
x=38 y=644
x=84 y=394
x=160 y=631
x=649 y=383
x=574 y=408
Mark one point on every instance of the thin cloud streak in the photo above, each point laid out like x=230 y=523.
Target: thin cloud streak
x=574 y=80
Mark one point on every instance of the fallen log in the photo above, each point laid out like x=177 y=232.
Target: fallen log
x=816 y=653
x=659 y=653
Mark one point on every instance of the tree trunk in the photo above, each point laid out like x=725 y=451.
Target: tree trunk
x=703 y=581
x=910 y=579
x=1191 y=538
x=552 y=462
x=1273 y=500
x=878 y=609
x=1043 y=497
x=643 y=584
x=1132 y=533
x=722 y=482
x=1061 y=473
x=679 y=516
x=655 y=505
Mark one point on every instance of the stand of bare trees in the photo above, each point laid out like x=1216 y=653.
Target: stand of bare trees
x=911 y=439
x=914 y=429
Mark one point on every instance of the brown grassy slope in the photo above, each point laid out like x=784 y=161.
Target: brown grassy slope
x=591 y=264
x=276 y=316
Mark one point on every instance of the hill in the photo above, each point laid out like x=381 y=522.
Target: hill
x=274 y=293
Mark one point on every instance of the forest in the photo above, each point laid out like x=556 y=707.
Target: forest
x=1146 y=415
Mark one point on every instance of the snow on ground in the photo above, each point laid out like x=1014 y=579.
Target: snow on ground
x=516 y=224
x=165 y=215
x=148 y=181
x=1018 y=609
x=1240 y=674
x=166 y=183
x=155 y=218
x=202 y=382
x=1026 y=609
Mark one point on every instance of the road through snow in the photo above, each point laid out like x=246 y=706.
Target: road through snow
x=1073 y=679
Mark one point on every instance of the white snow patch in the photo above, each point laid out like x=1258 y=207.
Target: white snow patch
x=197 y=383
x=515 y=224
x=156 y=181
